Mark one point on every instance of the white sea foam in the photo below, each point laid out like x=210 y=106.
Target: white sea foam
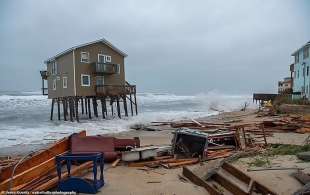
x=24 y=117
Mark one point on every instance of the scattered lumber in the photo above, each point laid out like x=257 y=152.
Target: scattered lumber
x=274 y=168
x=53 y=182
x=167 y=163
x=37 y=166
x=37 y=159
x=114 y=164
x=301 y=177
x=219 y=180
x=185 y=162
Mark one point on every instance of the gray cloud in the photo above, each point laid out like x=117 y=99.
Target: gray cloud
x=234 y=46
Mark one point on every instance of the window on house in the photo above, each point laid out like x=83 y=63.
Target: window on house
x=303 y=71
x=104 y=58
x=108 y=59
x=118 y=68
x=99 y=80
x=54 y=68
x=85 y=80
x=65 y=82
x=297 y=57
x=294 y=74
x=85 y=57
x=307 y=70
x=306 y=52
x=297 y=73
x=54 y=84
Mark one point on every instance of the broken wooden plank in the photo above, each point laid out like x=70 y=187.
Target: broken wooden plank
x=228 y=184
x=28 y=175
x=54 y=181
x=302 y=177
x=198 y=181
x=246 y=179
x=114 y=164
x=236 y=173
x=274 y=169
x=57 y=148
x=186 y=162
x=144 y=163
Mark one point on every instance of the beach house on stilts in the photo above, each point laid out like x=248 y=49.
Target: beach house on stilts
x=88 y=78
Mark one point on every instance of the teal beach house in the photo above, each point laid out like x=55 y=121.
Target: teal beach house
x=301 y=77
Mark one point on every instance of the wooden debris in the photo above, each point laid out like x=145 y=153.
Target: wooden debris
x=153 y=182
x=274 y=169
x=114 y=164
x=167 y=163
x=219 y=179
x=36 y=168
x=302 y=177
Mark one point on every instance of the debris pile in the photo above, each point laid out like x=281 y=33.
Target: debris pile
x=228 y=180
x=291 y=123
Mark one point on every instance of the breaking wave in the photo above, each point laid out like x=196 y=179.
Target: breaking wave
x=24 y=116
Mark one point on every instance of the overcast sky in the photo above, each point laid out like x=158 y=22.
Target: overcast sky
x=232 y=46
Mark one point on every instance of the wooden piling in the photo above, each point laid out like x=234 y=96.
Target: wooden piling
x=111 y=104
x=125 y=105
x=82 y=105
x=89 y=111
x=64 y=103
x=102 y=108
x=105 y=106
x=77 y=109
x=118 y=107
x=85 y=105
x=52 y=108
x=95 y=106
x=130 y=99
x=136 y=106
x=70 y=109
x=58 y=108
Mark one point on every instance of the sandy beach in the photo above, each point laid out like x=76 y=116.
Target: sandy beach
x=161 y=181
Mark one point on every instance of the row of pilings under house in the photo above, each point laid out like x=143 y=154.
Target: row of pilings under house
x=75 y=107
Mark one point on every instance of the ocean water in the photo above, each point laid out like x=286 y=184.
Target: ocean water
x=24 y=116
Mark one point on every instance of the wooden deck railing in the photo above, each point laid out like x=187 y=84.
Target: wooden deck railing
x=115 y=89
x=106 y=68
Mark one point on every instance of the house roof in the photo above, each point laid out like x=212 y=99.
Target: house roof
x=308 y=43
x=85 y=44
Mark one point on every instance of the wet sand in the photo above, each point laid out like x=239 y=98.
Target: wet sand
x=132 y=181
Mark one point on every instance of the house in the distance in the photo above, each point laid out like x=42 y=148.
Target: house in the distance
x=91 y=73
x=301 y=77
x=285 y=86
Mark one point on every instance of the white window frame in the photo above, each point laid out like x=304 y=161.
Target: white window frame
x=82 y=84
x=54 y=68
x=65 y=82
x=106 y=58
x=54 y=84
x=86 y=59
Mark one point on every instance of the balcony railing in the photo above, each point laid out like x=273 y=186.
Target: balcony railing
x=105 y=68
x=115 y=89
